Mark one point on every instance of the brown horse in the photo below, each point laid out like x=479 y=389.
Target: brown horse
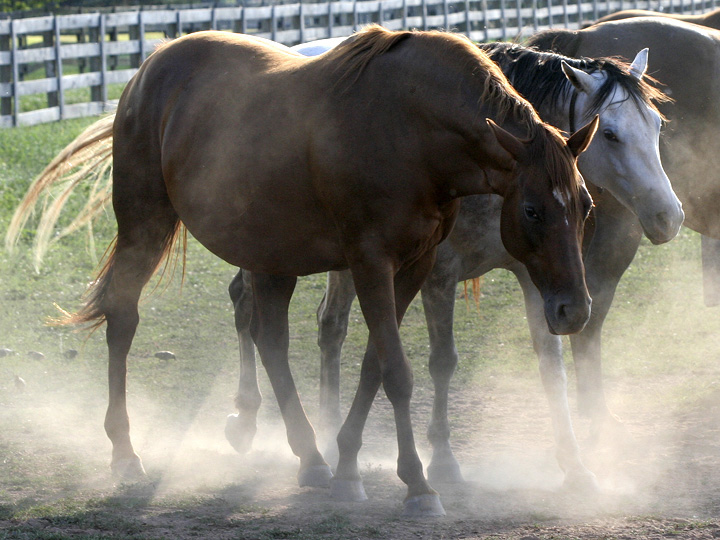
x=685 y=58
x=241 y=142
x=710 y=19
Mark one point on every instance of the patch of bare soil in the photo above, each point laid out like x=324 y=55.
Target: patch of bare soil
x=659 y=474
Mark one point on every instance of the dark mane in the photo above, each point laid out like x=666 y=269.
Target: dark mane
x=538 y=75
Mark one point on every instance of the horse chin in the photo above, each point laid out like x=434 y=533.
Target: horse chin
x=662 y=228
x=657 y=238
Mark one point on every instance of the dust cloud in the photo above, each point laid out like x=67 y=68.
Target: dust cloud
x=662 y=379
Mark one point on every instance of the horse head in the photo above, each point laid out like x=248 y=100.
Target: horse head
x=620 y=158
x=543 y=216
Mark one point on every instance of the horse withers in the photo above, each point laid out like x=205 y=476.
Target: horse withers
x=227 y=135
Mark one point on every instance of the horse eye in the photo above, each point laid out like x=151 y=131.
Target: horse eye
x=610 y=136
x=531 y=214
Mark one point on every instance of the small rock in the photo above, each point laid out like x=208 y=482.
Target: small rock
x=70 y=354
x=19 y=383
x=165 y=355
x=6 y=352
x=34 y=355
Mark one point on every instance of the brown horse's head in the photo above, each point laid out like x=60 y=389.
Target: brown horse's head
x=544 y=210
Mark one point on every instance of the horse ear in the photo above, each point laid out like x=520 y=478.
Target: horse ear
x=514 y=146
x=581 y=80
x=639 y=65
x=581 y=139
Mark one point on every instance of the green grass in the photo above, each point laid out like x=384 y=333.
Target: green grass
x=54 y=455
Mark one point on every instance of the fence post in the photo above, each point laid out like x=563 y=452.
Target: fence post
x=331 y=18
x=95 y=36
x=5 y=77
x=273 y=21
x=302 y=23
x=15 y=72
x=50 y=71
x=380 y=12
x=59 y=72
x=536 y=22
x=503 y=20
x=404 y=15
x=486 y=22
x=468 y=24
x=424 y=14
x=103 y=62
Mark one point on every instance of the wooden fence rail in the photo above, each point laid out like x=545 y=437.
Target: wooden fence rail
x=69 y=66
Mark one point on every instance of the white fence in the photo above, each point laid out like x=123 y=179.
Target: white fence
x=59 y=67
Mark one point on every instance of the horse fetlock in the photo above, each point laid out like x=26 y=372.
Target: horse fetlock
x=240 y=432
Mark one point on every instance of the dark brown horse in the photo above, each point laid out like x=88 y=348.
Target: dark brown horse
x=710 y=19
x=685 y=58
x=225 y=135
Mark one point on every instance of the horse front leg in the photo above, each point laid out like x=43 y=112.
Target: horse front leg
x=438 y=298
x=384 y=301
x=612 y=249
x=332 y=317
x=240 y=428
x=548 y=348
x=270 y=331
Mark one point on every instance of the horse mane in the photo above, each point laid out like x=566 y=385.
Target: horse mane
x=352 y=56
x=538 y=76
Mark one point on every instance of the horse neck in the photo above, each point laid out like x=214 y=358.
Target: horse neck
x=539 y=81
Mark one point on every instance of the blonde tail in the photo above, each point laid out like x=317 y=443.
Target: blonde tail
x=89 y=156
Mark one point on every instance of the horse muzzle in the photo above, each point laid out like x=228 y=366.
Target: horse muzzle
x=567 y=314
x=663 y=226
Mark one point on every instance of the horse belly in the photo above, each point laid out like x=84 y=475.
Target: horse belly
x=265 y=232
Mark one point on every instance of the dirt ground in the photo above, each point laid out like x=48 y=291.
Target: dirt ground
x=659 y=475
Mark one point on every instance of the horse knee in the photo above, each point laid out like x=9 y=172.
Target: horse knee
x=442 y=364
x=398 y=383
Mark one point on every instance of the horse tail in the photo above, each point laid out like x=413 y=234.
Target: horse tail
x=92 y=313
x=89 y=156
x=476 y=292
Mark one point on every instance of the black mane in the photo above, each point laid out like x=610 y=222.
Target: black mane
x=539 y=78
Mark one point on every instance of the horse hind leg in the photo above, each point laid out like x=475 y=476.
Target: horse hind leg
x=240 y=428
x=270 y=331
x=147 y=228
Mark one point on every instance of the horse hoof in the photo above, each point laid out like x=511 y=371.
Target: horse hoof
x=347 y=490
x=128 y=469
x=240 y=433
x=446 y=473
x=583 y=482
x=427 y=505
x=315 y=476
